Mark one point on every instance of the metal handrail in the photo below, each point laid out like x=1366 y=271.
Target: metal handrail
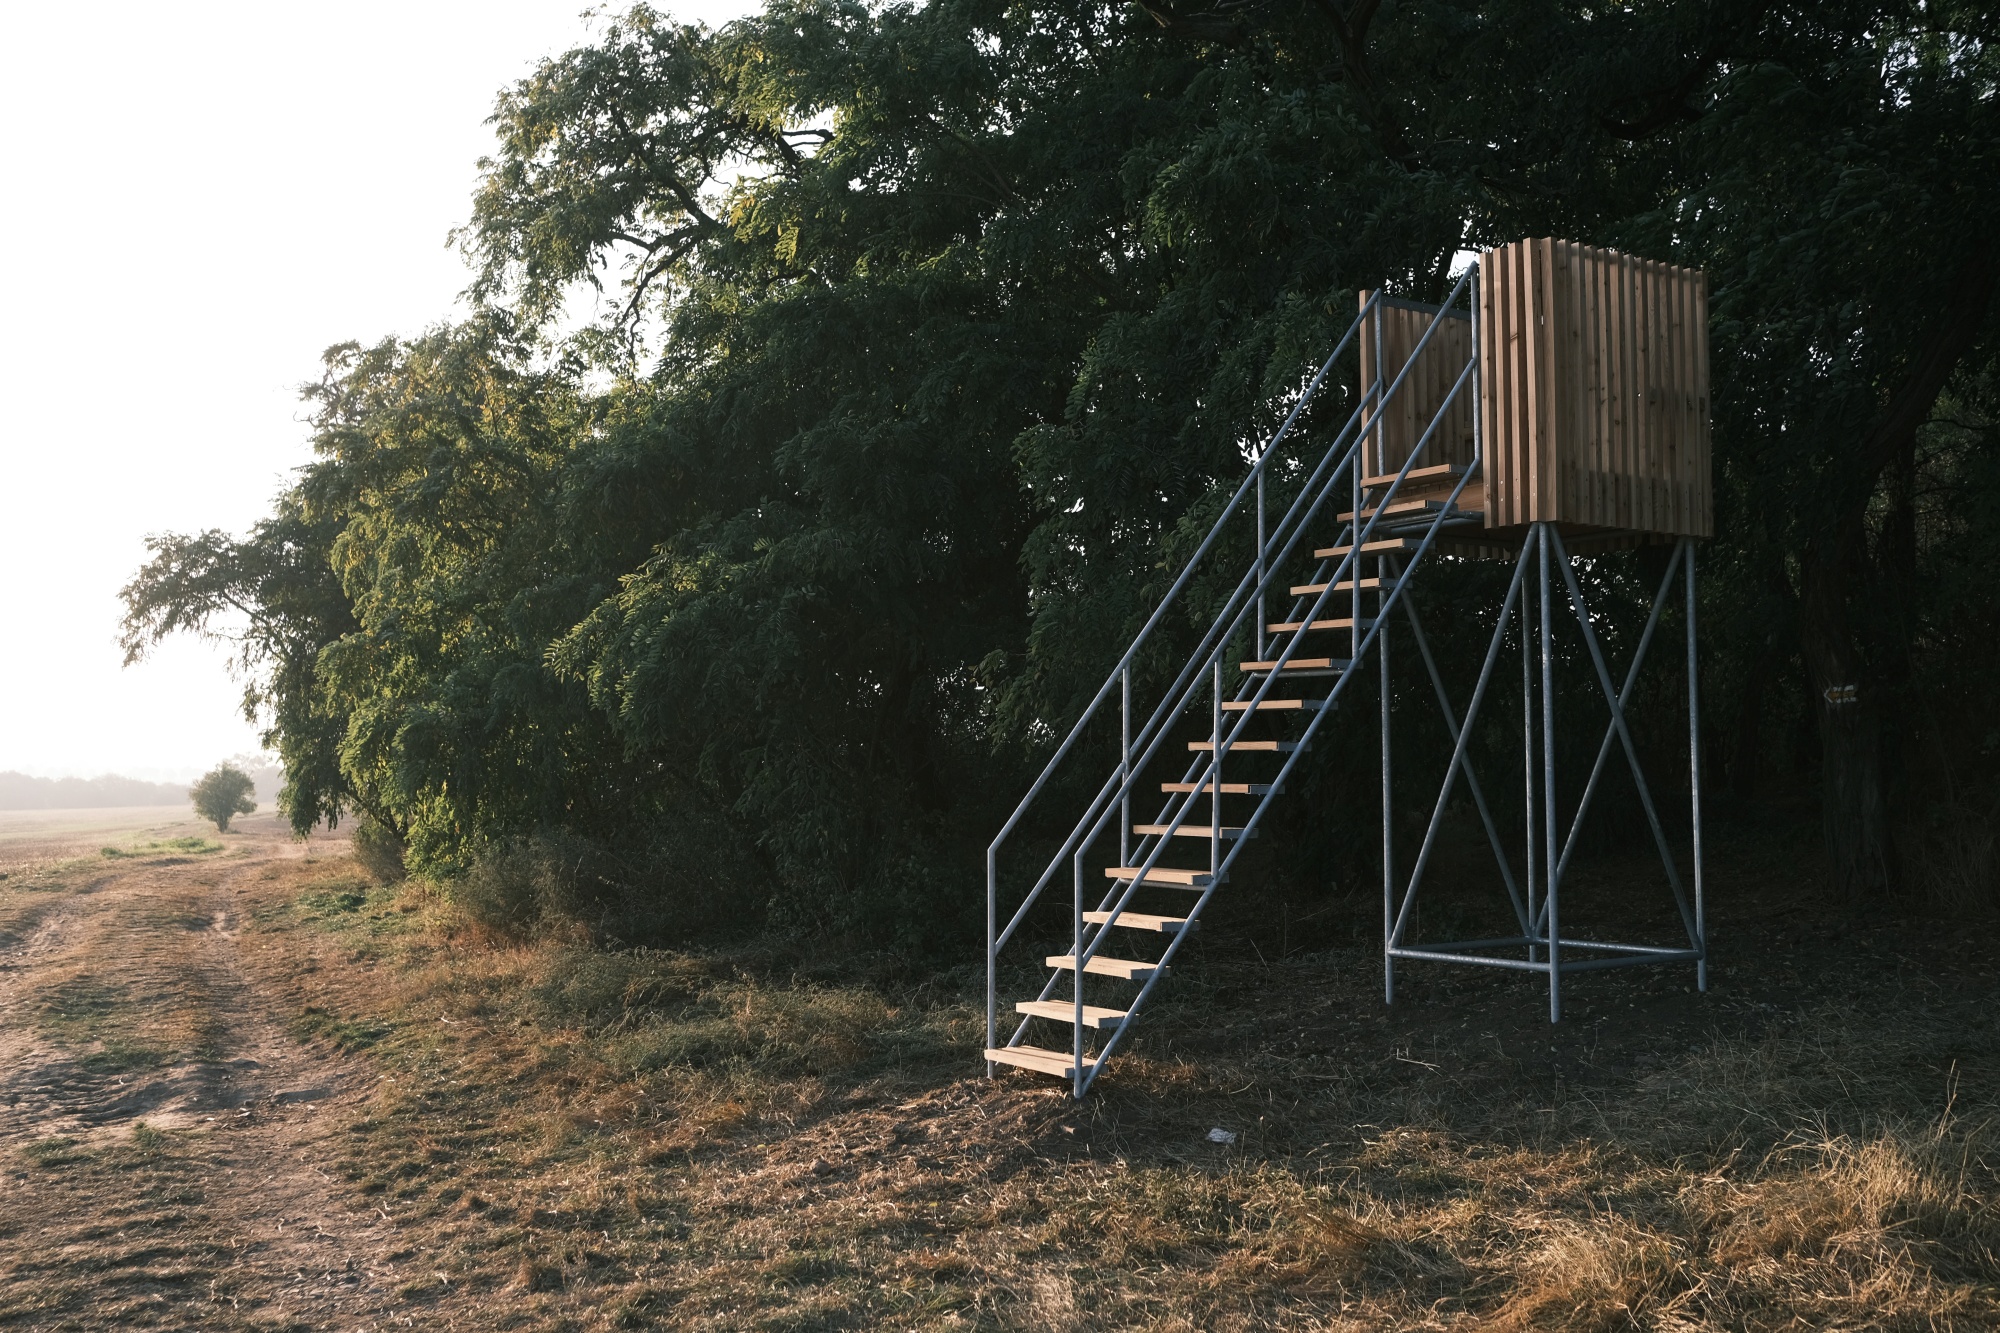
x=1179 y=584
x=1084 y=1080
x=1245 y=599
x=1174 y=702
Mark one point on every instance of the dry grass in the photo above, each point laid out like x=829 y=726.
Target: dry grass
x=766 y=1139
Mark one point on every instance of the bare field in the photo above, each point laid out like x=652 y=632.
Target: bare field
x=242 y=1087
x=32 y=838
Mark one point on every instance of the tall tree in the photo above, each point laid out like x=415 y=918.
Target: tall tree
x=938 y=332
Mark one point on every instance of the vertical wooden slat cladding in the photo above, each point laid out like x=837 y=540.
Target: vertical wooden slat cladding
x=1417 y=402
x=1594 y=390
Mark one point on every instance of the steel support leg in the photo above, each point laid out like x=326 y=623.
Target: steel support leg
x=1388 y=813
x=1553 y=889
x=1533 y=833
x=1694 y=773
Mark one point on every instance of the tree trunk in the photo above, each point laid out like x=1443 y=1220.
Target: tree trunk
x=1854 y=789
x=1854 y=803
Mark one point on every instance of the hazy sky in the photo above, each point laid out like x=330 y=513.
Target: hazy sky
x=197 y=200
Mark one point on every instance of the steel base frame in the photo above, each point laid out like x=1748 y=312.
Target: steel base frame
x=1537 y=911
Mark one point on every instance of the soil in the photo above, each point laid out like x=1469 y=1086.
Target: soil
x=127 y=1013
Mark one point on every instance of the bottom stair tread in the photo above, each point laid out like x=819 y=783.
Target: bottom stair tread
x=1060 y=1063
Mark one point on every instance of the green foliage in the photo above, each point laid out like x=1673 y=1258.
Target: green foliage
x=160 y=846
x=343 y=1034
x=379 y=850
x=937 y=334
x=335 y=900
x=55 y=1151
x=223 y=793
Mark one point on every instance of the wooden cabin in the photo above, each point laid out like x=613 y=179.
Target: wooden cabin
x=1593 y=396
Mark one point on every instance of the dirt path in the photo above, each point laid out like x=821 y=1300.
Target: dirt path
x=166 y=1147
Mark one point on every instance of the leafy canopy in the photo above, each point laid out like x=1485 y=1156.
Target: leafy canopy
x=932 y=335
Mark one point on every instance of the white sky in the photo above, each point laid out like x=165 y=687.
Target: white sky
x=197 y=199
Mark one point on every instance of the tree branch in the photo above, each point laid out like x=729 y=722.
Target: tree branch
x=1214 y=25
x=1663 y=106
x=1350 y=34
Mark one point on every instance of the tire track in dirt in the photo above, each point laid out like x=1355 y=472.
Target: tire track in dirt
x=165 y=1144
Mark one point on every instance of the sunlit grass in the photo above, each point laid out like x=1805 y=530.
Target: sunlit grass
x=674 y=1138
x=194 y=846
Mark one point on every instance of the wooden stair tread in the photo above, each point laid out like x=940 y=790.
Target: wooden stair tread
x=1273 y=705
x=1064 y=1011
x=1268 y=747
x=1305 y=666
x=1345 y=585
x=1228 y=788
x=1163 y=925
x=1421 y=476
x=1419 y=505
x=1382 y=547
x=1163 y=875
x=1191 y=831
x=1294 y=626
x=1172 y=877
x=1060 y=1063
x=1130 y=969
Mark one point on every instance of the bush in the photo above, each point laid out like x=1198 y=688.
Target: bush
x=673 y=885
x=222 y=794
x=522 y=886
x=379 y=850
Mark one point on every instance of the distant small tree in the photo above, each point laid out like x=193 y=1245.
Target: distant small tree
x=222 y=794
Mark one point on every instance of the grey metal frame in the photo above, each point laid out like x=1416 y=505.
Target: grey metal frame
x=1339 y=468
x=1546 y=848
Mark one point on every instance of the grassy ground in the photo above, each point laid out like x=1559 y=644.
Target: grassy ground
x=486 y=1134
x=773 y=1139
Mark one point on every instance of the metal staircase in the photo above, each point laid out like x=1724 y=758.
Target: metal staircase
x=1258 y=689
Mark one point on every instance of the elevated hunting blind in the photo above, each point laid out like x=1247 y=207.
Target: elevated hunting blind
x=1593 y=393
x=1556 y=404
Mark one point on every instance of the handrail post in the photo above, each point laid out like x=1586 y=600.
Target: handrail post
x=1381 y=468
x=1125 y=774
x=992 y=955
x=1215 y=774
x=1076 y=974
x=1260 y=557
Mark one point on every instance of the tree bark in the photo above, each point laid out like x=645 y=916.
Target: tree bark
x=1854 y=806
